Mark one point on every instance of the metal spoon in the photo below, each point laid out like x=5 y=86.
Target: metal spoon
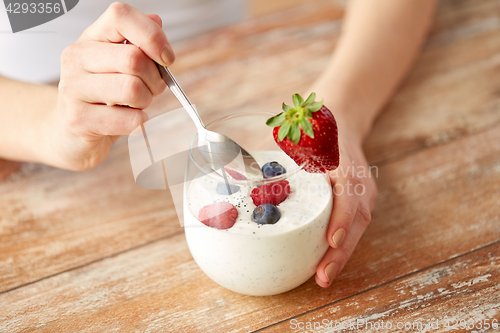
x=221 y=152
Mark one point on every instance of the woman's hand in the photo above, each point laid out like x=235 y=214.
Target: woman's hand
x=105 y=84
x=379 y=42
x=354 y=195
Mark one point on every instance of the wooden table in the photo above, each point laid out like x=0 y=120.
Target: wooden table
x=92 y=252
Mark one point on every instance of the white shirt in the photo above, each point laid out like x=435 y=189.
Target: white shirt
x=34 y=55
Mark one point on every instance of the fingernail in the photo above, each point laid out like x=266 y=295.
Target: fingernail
x=331 y=271
x=167 y=55
x=338 y=237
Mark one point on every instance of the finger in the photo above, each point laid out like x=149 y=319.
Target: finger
x=114 y=89
x=335 y=259
x=118 y=58
x=122 y=22
x=345 y=205
x=107 y=120
x=156 y=18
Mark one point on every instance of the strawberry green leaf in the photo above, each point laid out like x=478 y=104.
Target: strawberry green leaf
x=294 y=133
x=307 y=127
x=286 y=107
x=283 y=131
x=315 y=106
x=308 y=113
x=276 y=120
x=297 y=100
x=310 y=99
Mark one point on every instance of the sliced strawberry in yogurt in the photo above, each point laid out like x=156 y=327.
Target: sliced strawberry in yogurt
x=220 y=215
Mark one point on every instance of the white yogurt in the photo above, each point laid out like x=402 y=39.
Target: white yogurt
x=255 y=259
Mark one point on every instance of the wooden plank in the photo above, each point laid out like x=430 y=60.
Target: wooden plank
x=254 y=65
x=53 y=220
x=461 y=295
x=260 y=8
x=454 y=87
x=454 y=82
x=434 y=205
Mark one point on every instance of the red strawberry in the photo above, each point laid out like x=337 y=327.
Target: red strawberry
x=220 y=215
x=308 y=134
x=273 y=193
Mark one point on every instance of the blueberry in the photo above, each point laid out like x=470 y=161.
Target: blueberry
x=272 y=169
x=266 y=214
x=222 y=188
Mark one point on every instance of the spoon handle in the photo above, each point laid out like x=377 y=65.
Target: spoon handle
x=181 y=96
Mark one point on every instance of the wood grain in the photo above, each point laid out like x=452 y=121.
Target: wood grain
x=260 y=8
x=454 y=82
x=447 y=297
x=93 y=252
x=158 y=286
x=264 y=53
x=53 y=220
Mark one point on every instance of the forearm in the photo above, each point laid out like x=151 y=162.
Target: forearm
x=379 y=42
x=24 y=109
